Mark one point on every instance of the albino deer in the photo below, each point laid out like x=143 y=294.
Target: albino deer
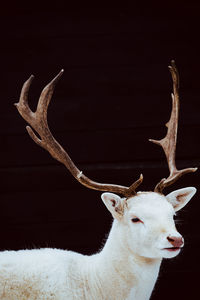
x=142 y=234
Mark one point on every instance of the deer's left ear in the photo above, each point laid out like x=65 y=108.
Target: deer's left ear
x=181 y=197
x=114 y=204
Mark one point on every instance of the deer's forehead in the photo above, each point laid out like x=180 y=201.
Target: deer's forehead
x=150 y=203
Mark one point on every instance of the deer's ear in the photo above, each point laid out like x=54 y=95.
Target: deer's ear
x=181 y=197
x=114 y=204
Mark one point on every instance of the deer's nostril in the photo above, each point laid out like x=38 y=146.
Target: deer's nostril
x=170 y=239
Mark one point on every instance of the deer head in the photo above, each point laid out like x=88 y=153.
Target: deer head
x=147 y=226
x=146 y=217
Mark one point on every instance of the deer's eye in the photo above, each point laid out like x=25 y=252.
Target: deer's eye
x=136 y=220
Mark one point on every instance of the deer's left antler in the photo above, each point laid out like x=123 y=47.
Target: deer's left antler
x=169 y=142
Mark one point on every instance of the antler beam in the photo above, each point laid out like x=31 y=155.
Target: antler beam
x=38 y=121
x=169 y=142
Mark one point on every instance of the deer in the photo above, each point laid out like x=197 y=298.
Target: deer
x=143 y=231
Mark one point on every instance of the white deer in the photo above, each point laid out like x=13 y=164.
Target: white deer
x=142 y=234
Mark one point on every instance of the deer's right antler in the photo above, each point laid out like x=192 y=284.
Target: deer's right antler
x=38 y=121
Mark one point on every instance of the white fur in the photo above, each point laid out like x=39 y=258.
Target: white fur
x=125 y=269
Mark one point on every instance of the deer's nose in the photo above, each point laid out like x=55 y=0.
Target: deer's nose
x=175 y=241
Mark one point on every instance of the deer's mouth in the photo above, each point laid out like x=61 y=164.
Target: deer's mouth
x=173 y=249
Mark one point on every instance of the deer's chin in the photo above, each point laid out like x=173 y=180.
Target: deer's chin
x=170 y=252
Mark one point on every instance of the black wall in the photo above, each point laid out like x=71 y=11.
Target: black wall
x=113 y=96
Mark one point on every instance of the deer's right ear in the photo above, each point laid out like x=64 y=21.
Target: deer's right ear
x=114 y=204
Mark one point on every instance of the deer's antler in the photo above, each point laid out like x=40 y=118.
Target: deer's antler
x=169 y=142
x=38 y=121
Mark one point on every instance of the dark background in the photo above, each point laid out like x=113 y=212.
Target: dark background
x=113 y=96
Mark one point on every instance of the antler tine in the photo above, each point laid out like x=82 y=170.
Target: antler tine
x=38 y=121
x=46 y=96
x=23 y=100
x=169 y=142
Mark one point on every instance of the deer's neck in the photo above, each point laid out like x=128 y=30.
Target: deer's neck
x=132 y=275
